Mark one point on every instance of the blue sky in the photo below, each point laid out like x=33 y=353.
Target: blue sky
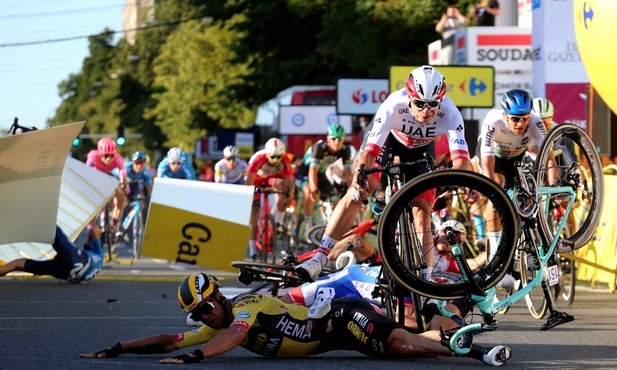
x=30 y=74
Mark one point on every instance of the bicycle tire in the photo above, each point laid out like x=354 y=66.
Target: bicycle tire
x=137 y=236
x=315 y=234
x=535 y=300
x=289 y=223
x=107 y=229
x=490 y=274
x=567 y=278
x=574 y=143
x=267 y=239
x=269 y=272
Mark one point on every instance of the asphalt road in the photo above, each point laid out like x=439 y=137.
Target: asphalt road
x=46 y=323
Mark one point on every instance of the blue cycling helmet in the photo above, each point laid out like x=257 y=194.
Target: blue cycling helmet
x=516 y=102
x=139 y=157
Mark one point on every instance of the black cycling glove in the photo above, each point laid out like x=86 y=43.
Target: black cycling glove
x=191 y=357
x=111 y=352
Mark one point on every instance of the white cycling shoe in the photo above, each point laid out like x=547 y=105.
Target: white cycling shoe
x=309 y=270
x=497 y=355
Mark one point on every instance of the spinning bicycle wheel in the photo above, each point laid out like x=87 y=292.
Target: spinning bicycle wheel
x=137 y=234
x=571 y=148
x=408 y=273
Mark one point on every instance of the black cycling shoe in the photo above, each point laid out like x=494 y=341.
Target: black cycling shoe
x=556 y=318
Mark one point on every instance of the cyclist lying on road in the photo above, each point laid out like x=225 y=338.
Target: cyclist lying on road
x=289 y=330
x=70 y=263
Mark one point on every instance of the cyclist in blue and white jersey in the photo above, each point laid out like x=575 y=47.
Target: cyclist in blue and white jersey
x=230 y=169
x=406 y=125
x=140 y=179
x=505 y=136
x=174 y=166
x=70 y=263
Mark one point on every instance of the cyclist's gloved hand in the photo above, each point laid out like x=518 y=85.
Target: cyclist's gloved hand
x=359 y=192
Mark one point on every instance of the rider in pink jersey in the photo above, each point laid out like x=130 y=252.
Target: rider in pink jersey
x=106 y=159
x=406 y=125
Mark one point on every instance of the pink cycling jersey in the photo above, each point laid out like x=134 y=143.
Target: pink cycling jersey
x=94 y=160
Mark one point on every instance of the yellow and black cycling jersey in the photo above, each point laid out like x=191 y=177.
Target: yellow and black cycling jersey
x=273 y=328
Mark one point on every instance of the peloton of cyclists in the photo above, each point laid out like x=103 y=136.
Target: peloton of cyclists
x=406 y=125
x=230 y=169
x=106 y=159
x=311 y=173
x=269 y=167
x=175 y=165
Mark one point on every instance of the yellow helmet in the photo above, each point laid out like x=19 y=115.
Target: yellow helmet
x=196 y=288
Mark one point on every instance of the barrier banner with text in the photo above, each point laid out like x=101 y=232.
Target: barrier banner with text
x=198 y=223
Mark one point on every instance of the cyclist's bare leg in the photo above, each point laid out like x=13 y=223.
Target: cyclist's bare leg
x=15 y=265
x=308 y=203
x=422 y=218
x=493 y=223
x=253 y=234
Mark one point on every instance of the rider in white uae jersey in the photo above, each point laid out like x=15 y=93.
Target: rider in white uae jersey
x=394 y=116
x=406 y=126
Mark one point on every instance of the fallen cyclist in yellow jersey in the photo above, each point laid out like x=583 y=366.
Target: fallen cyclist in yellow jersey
x=267 y=326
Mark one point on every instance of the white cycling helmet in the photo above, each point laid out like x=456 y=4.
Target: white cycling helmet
x=175 y=155
x=426 y=83
x=543 y=108
x=230 y=151
x=458 y=227
x=275 y=147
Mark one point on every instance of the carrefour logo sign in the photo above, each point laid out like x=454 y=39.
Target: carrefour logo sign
x=298 y=119
x=474 y=87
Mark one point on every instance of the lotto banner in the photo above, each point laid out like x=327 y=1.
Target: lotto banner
x=31 y=173
x=198 y=223
x=83 y=193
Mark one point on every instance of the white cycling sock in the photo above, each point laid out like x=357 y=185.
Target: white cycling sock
x=327 y=243
x=493 y=240
x=252 y=248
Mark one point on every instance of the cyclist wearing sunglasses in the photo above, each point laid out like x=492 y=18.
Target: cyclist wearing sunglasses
x=230 y=169
x=176 y=165
x=505 y=136
x=406 y=125
x=140 y=179
x=106 y=159
x=269 y=167
x=266 y=326
x=311 y=173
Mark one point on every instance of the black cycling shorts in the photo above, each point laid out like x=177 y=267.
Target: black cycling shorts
x=357 y=326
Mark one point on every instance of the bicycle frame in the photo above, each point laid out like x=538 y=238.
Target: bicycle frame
x=485 y=302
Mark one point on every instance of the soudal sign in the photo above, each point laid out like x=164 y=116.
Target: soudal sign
x=503 y=48
x=360 y=96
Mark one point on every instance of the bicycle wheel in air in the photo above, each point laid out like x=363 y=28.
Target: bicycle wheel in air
x=570 y=146
x=535 y=300
x=433 y=182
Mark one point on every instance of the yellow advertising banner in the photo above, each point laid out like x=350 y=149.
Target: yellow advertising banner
x=198 y=223
x=468 y=86
x=601 y=249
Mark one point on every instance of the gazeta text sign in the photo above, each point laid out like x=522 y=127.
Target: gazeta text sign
x=468 y=86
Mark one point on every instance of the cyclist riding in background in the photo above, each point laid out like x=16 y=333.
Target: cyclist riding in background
x=505 y=136
x=140 y=180
x=545 y=110
x=311 y=174
x=174 y=166
x=106 y=159
x=406 y=125
x=269 y=167
x=230 y=169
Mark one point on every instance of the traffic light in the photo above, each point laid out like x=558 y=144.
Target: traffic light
x=76 y=141
x=120 y=138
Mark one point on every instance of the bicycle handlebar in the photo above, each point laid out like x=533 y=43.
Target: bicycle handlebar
x=13 y=129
